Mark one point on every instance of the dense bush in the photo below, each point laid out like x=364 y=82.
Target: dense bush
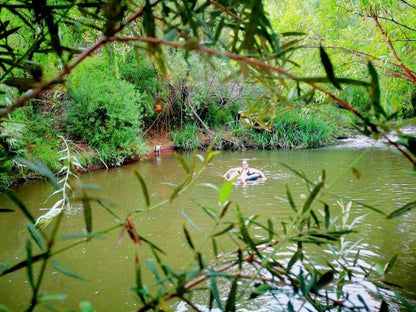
x=105 y=112
x=142 y=73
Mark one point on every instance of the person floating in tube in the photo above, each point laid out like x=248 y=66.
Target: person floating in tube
x=245 y=173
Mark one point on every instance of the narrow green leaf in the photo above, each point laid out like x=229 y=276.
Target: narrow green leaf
x=225 y=209
x=225 y=191
x=188 y=237
x=323 y=281
x=29 y=266
x=171 y=35
x=401 y=211
x=226 y=230
x=6 y=210
x=182 y=162
x=312 y=195
x=200 y=260
x=296 y=256
x=356 y=173
x=290 y=199
x=270 y=229
x=35 y=235
x=327 y=216
x=81 y=236
x=151 y=244
x=211 y=155
x=4 y=266
x=363 y=302
x=86 y=207
x=293 y=33
x=40 y=168
x=20 y=204
x=86 y=306
x=378 y=109
x=315 y=219
x=214 y=290
x=405 y=302
x=56 y=297
x=329 y=69
x=365 y=205
x=152 y=268
x=299 y=174
x=144 y=188
x=139 y=283
x=213 y=213
x=248 y=239
x=214 y=247
x=188 y=219
x=311 y=282
x=179 y=188
x=102 y=204
x=67 y=272
x=251 y=26
x=231 y=300
x=390 y=264
x=3 y=308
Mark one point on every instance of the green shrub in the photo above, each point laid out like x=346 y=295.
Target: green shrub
x=141 y=73
x=217 y=116
x=104 y=112
x=186 y=139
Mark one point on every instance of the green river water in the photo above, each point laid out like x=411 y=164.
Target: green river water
x=110 y=267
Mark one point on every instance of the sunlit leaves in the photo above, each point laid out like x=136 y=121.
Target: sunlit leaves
x=225 y=191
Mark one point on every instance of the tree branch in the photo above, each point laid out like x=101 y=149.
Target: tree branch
x=374 y=16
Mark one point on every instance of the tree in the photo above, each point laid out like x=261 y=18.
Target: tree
x=241 y=34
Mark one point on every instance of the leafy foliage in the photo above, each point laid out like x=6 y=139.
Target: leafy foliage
x=109 y=109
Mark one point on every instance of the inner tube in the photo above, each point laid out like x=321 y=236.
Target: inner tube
x=251 y=177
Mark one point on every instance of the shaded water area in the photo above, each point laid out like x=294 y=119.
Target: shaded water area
x=110 y=267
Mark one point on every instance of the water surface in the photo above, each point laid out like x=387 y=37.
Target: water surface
x=110 y=266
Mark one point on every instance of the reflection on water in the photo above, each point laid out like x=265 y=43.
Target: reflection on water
x=110 y=266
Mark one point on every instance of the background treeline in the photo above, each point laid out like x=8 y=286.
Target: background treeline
x=107 y=108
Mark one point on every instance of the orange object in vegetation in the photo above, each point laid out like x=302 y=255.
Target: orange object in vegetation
x=158 y=107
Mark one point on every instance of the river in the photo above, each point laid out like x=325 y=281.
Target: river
x=383 y=182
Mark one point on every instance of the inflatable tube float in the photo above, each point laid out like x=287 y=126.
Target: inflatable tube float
x=252 y=177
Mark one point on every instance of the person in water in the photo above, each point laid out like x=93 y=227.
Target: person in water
x=245 y=172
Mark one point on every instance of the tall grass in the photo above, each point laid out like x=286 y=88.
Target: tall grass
x=187 y=138
x=294 y=130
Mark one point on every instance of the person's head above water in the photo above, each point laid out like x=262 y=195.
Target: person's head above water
x=244 y=164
